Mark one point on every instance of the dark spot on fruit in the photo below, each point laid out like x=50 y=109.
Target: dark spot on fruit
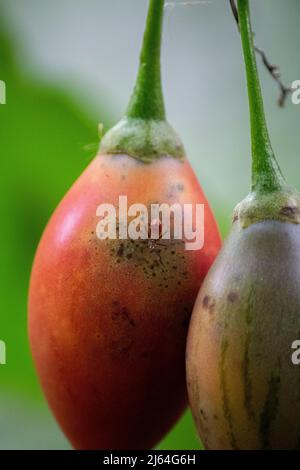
x=232 y=297
x=122 y=313
x=288 y=210
x=151 y=256
x=127 y=315
x=211 y=308
x=118 y=348
x=120 y=251
x=270 y=410
x=208 y=304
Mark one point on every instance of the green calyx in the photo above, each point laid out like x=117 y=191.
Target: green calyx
x=270 y=197
x=144 y=132
x=146 y=140
x=282 y=205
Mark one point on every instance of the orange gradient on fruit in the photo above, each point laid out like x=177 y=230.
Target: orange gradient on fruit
x=108 y=318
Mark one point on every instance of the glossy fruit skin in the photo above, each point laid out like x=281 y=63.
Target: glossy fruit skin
x=243 y=388
x=108 y=319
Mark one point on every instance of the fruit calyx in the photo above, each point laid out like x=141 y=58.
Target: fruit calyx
x=282 y=205
x=146 y=140
x=270 y=197
x=144 y=133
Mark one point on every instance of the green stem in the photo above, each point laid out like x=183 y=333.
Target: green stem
x=147 y=101
x=144 y=133
x=266 y=174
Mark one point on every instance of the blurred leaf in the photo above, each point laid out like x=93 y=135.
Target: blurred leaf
x=42 y=137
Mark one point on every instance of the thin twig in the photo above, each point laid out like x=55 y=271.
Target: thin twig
x=272 y=69
x=235 y=11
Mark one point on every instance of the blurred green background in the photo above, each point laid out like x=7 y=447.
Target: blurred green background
x=70 y=64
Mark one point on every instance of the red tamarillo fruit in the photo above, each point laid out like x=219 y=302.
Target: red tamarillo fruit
x=243 y=388
x=108 y=318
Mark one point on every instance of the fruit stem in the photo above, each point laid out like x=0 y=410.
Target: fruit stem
x=147 y=100
x=144 y=133
x=266 y=173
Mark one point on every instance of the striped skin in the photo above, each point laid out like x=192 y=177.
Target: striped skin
x=244 y=390
x=108 y=319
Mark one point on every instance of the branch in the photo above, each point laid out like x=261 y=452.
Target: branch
x=273 y=70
